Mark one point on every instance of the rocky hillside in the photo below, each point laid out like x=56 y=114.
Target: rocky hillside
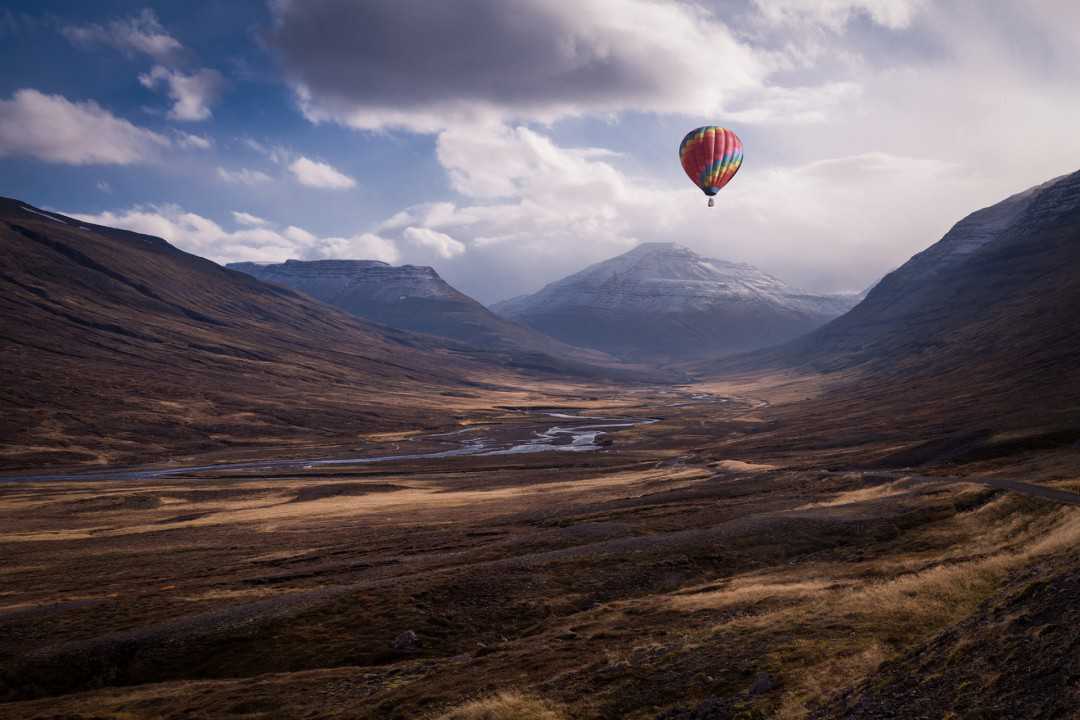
x=1004 y=271
x=968 y=351
x=117 y=346
x=407 y=297
x=662 y=301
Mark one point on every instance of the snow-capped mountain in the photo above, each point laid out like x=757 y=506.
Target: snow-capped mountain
x=663 y=301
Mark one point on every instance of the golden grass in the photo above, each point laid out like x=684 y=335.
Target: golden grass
x=868 y=494
x=239 y=594
x=851 y=631
x=848 y=632
x=833 y=624
x=1070 y=485
x=776 y=387
x=273 y=510
x=740 y=466
x=391 y=436
x=509 y=705
x=746 y=592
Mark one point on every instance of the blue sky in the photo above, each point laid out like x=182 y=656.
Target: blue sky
x=254 y=105
x=508 y=144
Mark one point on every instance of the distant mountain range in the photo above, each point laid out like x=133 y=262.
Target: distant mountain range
x=663 y=302
x=414 y=298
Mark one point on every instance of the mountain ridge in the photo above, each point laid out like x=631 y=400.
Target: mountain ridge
x=417 y=299
x=954 y=355
x=923 y=300
x=118 y=346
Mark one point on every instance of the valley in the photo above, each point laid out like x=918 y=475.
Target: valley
x=222 y=497
x=536 y=360
x=675 y=570
x=573 y=433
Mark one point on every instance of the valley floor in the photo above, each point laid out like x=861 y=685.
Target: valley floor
x=681 y=570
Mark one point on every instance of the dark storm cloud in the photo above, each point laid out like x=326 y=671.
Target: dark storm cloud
x=413 y=52
x=404 y=62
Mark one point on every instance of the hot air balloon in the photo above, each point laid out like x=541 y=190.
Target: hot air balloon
x=710 y=156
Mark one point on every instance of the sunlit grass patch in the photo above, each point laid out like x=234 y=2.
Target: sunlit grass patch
x=830 y=624
x=876 y=492
x=843 y=634
x=507 y=705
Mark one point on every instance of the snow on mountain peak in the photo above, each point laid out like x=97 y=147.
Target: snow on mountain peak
x=670 y=278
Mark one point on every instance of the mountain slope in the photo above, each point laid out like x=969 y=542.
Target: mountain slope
x=661 y=301
x=418 y=299
x=969 y=351
x=118 y=346
x=406 y=297
x=993 y=272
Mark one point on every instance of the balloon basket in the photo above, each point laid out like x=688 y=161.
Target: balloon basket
x=711 y=202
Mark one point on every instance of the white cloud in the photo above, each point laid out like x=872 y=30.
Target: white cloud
x=243 y=176
x=258 y=241
x=192 y=94
x=104 y=186
x=835 y=14
x=839 y=223
x=299 y=235
x=795 y=106
x=255 y=145
x=365 y=246
x=244 y=218
x=188 y=140
x=141 y=33
x=54 y=129
x=319 y=174
x=443 y=245
x=200 y=235
x=276 y=153
x=540 y=211
x=428 y=215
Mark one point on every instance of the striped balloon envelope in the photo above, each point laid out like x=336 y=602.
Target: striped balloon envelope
x=711 y=156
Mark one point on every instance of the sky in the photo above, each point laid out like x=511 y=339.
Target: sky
x=508 y=144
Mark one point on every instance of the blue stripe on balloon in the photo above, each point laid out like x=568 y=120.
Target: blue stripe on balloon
x=711 y=169
x=726 y=160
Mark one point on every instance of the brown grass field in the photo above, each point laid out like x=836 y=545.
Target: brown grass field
x=697 y=567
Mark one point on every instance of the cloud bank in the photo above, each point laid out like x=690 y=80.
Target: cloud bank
x=54 y=129
x=255 y=239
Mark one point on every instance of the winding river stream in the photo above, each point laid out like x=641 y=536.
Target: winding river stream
x=567 y=436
